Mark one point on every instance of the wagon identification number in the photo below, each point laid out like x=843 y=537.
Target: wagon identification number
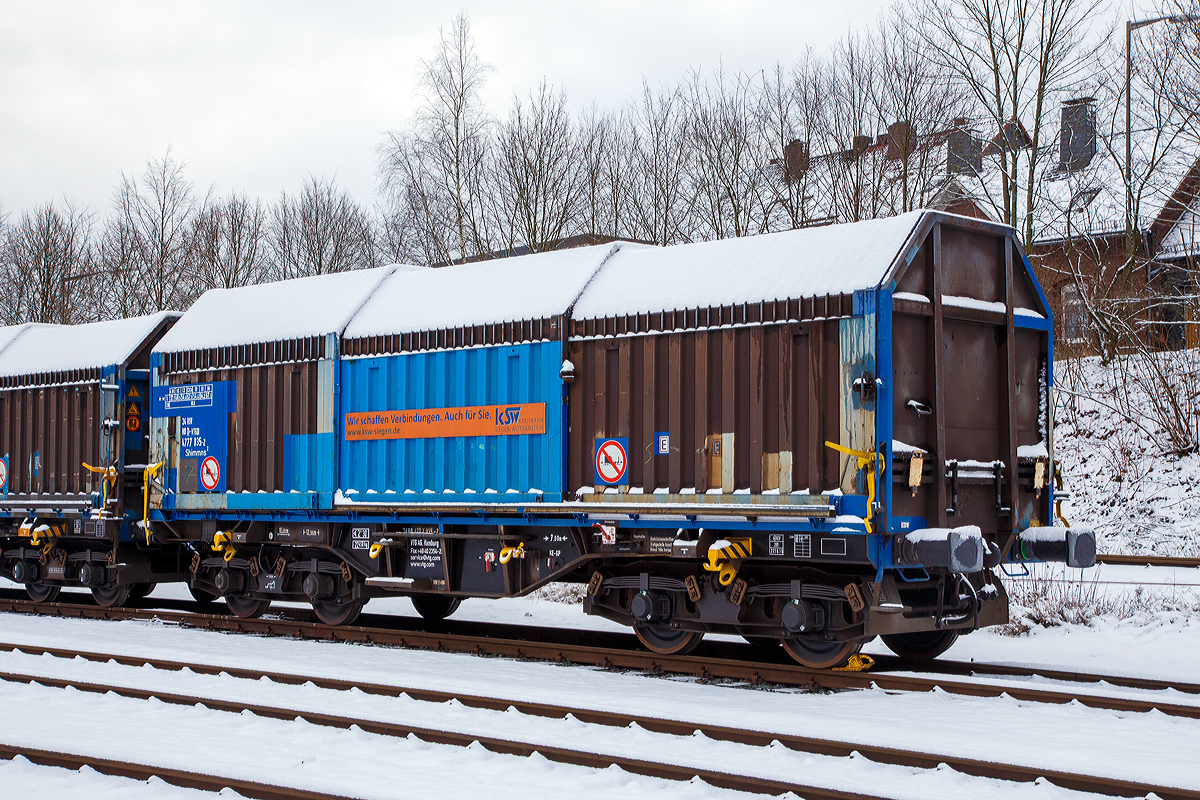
x=435 y=423
x=201 y=431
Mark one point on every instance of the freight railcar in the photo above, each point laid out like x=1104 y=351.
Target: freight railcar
x=74 y=406
x=245 y=424
x=807 y=438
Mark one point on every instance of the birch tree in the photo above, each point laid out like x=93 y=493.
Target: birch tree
x=434 y=175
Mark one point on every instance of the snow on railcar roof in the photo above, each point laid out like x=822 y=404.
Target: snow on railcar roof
x=57 y=348
x=269 y=312
x=837 y=259
x=532 y=286
x=9 y=333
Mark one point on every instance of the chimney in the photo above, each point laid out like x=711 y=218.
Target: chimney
x=898 y=142
x=861 y=143
x=795 y=159
x=1077 y=138
x=964 y=153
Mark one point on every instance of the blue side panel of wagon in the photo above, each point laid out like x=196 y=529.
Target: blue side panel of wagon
x=480 y=468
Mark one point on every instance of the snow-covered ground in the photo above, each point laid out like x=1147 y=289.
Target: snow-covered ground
x=20 y=778
x=1117 y=459
x=1156 y=642
x=1146 y=747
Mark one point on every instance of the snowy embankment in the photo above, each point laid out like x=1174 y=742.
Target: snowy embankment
x=1118 y=428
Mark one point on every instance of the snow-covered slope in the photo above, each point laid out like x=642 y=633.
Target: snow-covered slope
x=1139 y=497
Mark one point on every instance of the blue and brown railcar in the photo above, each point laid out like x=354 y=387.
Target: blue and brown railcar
x=808 y=438
x=74 y=410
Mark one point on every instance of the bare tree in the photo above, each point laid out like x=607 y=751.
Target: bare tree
x=725 y=170
x=792 y=118
x=657 y=145
x=1164 y=113
x=537 y=176
x=154 y=243
x=1182 y=39
x=602 y=149
x=47 y=267
x=915 y=99
x=434 y=175
x=117 y=257
x=1011 y=56
x=231 y=245
x=320 y=230
x=854 y=184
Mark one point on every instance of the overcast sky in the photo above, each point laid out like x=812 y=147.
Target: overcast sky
x=254 y=96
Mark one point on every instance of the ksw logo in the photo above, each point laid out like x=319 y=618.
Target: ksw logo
x=508 y=416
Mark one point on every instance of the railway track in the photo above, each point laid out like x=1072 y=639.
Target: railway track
x=142 y=772
x=729 y=662
x=681 y=728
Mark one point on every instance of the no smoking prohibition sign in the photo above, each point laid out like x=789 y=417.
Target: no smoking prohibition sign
x=612 y=460
x=210 y=473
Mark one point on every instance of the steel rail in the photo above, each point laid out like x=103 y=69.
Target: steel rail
x=563 y=755
x=1148 y=561
x=176 y=777
x=966 y=668
x=883 y=663
x=707 y=667
x=757 y=738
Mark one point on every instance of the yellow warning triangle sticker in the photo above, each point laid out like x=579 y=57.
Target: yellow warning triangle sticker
x=133 y=392
x=133 y=410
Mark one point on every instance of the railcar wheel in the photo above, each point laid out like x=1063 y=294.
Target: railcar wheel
x=762 y=641
x=202 y=597
x=333 y=613
x=435 y=606
x=667 y=642
x=111 y=597
x=42 y=592
x=247 y=607
x=920 y=645
x=817 y=653
x=140 y=590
